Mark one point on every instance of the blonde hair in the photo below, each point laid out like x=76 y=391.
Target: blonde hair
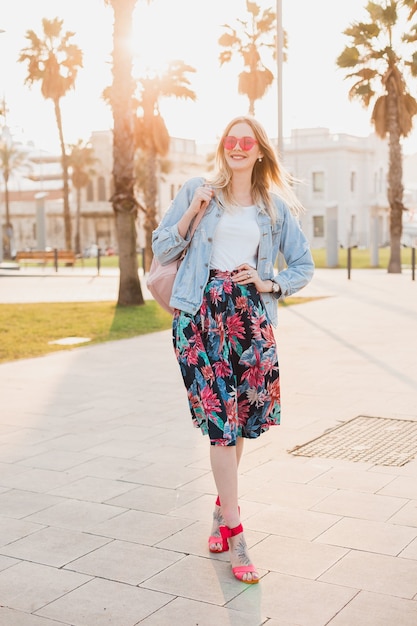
x=267 y=175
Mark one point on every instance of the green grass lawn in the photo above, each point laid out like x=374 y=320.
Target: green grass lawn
x=27 y=329
x=360 y=257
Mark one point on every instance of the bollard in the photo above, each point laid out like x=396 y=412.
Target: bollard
x=56 y=259
x=349 y=261
x=98 y=260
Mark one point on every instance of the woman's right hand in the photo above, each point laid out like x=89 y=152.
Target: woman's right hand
x=201 y=199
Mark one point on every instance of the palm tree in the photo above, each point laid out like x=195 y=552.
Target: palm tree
x=12 y=159
x=125 y=206
x=380 y=70
x=81 y=161
x=256 y=33
x=54 y=61
x=152 y=137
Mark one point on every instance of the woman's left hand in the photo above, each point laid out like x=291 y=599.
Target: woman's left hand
x=247 y=275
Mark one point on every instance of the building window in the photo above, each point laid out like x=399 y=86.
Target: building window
x=101 y=189
x=353 y=181
x=90 y=191
x=318 y=181
x=318 y=225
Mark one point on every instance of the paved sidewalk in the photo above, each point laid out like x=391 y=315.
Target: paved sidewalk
x=106 y=493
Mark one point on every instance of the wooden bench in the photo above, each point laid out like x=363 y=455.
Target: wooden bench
x=44 y=256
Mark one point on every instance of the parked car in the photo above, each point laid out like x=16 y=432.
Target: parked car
x=91 y=251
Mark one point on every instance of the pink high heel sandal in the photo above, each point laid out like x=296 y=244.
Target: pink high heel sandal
x=239 y=570
x=213 y=539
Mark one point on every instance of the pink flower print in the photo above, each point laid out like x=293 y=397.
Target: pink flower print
x=207 y=372
x=254 y=374
x=242 y=303
x=222 y=369
x=236 y=328
x=215 y=295
x=211 y=402
x=268 y=335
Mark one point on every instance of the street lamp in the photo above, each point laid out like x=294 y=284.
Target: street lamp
x=1 y=225
x=280 y=59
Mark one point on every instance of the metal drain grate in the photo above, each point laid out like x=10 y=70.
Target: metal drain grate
x=378 y=440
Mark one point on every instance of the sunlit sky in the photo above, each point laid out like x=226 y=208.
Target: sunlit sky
x=314 y=90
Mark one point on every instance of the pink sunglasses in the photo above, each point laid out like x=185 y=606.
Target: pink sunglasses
x=246 y=143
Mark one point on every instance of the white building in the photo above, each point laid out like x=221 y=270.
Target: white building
x=343 y=186
x=343 y=182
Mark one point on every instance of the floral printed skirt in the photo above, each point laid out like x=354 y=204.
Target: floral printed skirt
x=228 y=359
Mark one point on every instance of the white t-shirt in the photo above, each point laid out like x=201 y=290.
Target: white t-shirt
x=236 y=239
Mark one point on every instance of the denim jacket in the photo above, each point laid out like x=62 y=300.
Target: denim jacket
x=285 y=236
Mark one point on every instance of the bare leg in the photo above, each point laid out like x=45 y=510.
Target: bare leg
x=218 y=519
x=224 y=463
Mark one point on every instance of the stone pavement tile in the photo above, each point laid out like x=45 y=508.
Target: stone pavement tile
x=103 y=602
x=197 y=578
x=118 y=448
x=59 y=460
x=370 y=536
x=10 y=617
x=375 y=572
x=364 y=481
x=371 y=609
x=156 y=500
x=407 y=515
x=6 y=562
x=140 y=527
x=93 y=489
x=53 y=546
x=75 y=515
x=293 y=600
x=29 y=586
x=171 y=476
x=368 y=506
x=292 y=469
x=290 y=495
x=107 y=467
x=19 y=453
x=184 y=612
x=81 y=441
x=8 y=471
x=12 y=529
x=292 y=522
x=295 y=557
x=125 y=562
x=27 y=436
x=197 y=456
x=203 y=484
x=401 y=487
x=410 y=552
x=18 y=504
x=37 y=480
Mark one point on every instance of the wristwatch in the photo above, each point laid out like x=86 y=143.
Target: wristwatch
x=276 y=288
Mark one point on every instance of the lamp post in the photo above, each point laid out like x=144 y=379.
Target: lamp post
x=280 y=59
x=1 y=225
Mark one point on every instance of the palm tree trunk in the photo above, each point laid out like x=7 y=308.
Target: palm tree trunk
x=150 y=194
x=64 y=161
x=395 y=175
x=77 y=241
x=124 y=201
x=8 y=227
